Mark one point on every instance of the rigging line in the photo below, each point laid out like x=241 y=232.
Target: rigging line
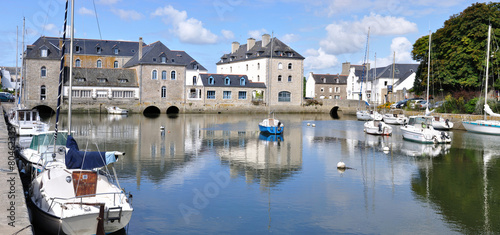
x=97 y=19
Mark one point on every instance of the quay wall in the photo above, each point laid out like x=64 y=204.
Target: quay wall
x=14 y=217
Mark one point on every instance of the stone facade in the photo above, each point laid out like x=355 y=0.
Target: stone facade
x=326 y=86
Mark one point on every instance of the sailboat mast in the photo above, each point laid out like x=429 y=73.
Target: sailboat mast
x=374 y=77
x=487 y=66
x=17 y=60
x=393 y=68
x=364 y=66
x=428 y=68
x=70 y=90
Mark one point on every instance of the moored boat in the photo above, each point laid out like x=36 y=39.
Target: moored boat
x=377 y=128
x=116 y=110
x=271 y=126
x=419 y=129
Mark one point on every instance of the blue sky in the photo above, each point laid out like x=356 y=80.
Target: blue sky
x=326 y=32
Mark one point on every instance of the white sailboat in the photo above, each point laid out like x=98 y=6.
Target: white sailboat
x=419 y=128
x=365 y=114
x=77 y=195
x=485 y=126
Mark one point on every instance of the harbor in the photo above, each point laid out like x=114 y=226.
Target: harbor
x=216 y=173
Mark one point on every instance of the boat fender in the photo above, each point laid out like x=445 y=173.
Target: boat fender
x=434 y=139
x=423 y=125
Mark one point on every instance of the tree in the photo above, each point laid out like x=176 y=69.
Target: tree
x=458 y=50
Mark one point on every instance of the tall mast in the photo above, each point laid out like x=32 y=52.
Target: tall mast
x=17 y=60
x=393 y=68
x=364 y=66
x=269 y=78
x=374 y=77
x=428 y=69
x=70 y=92
x=487 y=66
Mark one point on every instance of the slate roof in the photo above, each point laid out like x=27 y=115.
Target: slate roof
x=152 y=53
x=280 y=49
x=219 y=81
x=402 y=71
x=114 y=77
x=330 y=79
x=85 y=46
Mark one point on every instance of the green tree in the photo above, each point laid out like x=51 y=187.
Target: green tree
x=458 y=50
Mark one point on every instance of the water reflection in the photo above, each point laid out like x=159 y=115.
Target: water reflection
x=276 y=183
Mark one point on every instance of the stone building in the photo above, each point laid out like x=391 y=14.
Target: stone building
x=271 y=62
x=326 y=86
x=230 y=89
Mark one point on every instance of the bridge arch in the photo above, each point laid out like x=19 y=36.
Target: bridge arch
x=45 y=111
x=151 y=111
x=172 y=110
x=334 y=112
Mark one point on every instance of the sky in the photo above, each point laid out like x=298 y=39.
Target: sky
x=326 y=32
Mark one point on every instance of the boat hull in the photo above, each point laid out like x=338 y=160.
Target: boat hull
x=377 y=128
x=442 y=124
x=484 y=127
x=271 y=129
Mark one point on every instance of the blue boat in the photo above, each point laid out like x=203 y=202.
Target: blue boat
x=271 y=126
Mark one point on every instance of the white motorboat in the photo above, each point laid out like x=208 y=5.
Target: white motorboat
x=43 y=149
x=395 y=118
x=377 y=128
x=367 y=115
x=419 y=129
x=485 y=126
x=117 y=110
x=26 y=122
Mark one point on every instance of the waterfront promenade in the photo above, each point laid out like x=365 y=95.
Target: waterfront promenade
x=14 y=217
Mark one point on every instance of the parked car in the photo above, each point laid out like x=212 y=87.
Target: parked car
x=6 y=97
x=402 y=103
x=419 y=104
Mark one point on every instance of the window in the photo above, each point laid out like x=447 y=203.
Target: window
x=173 y=60
x=154 y=75
x=227 y=95
x=117 y=94
x=258 y=78
x=284 y=96
x=122 y=80
x=210 y=95
x=163 y=75
x=290 y=78
x=289 y=65
x=194 y=80
x=102 y=94
x=99 y=64
x=211 y=80
x=258 y=65
x=280 y=65
x=195 y=66
x=115 y=51
x=324 y=80
x=242 y=81
x=86 y=94
x=163 y=92
x=227 y=81
x=115 y=64
x=330 y=90
x=43 y=52
x=102 y=80
x=98 y=49
x=128 y=94
x=385 y=83
x=279 y=78
x=43 y=92
x=78 y=63
x=172 y=75
x=163 y=59
x=337 y=89
x=78 y=49
x=43 y=72
x=80 y=79
x=154 y=59
x=247 y=67
x=242 y=95
x=337 y=97
x=230 y=69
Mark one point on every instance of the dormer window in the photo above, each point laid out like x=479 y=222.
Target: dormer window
x=173 y=61
x=115 y=51
x=102 y=80
x=98 y=49
x=323 y=79
x=154 y=59
x=80 y=79
x=195 y=66
x=289 y=54
x=44 y=52
x=122 y=80
x=242 y=81
x=211 y=80
x=163 y=59
x=227 y=81
x=78 y=49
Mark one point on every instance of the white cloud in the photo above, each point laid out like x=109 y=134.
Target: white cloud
x=319 y=59
x=401 y=47
x=289 y=38
x=256 y=33
x=348 y=37
x=51 y=29
x=127 y=15
x=228 y=34
x=187 y=30
x=85 y=11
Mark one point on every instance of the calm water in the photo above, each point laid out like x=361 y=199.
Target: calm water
x=213 y=174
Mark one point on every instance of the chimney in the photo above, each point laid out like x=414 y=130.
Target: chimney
x=250 y=43
x=234 y=47
x=140 y=48
x=266 y=38
x=346 y=66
